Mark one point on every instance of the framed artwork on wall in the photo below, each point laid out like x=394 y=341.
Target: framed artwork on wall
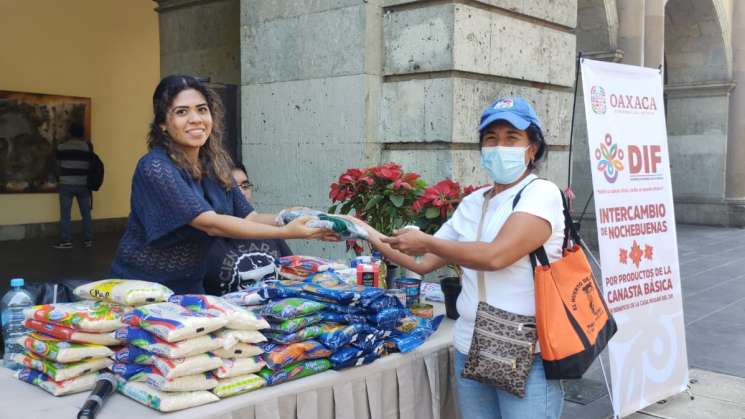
x=31 y=127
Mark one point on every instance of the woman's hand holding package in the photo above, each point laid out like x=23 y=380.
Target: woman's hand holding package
x=409 y=241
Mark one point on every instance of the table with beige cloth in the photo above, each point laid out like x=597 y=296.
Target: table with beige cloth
x=416 y=385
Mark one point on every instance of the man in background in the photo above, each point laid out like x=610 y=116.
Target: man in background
x=73 y=165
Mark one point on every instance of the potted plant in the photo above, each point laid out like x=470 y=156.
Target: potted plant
x=382 y=196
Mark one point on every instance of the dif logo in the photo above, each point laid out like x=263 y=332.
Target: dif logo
x=597 y=99
x=642 y=161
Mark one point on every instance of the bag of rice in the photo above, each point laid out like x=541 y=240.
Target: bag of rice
x=231 y=337
x=173 y=323
x=87 y=316
x=289 y=308
x=345 y=318
x=297 y=267
x=174 y=368
x=72 y=335
x=351 y=356
x=132 y=372
x=239 y=350
x=62 y=351
x=294 y=371
x=61 y=372
x=162 y=401
x=247 y=297
x=279 y=356
x=237 y=317
x=57 y=388
x=134 y=355
x=145 y=340
x=238 y=385
x=240 y=366
x=128 y=292
x=196 y=382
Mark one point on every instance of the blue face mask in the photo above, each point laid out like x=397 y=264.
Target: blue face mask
x=504 y=164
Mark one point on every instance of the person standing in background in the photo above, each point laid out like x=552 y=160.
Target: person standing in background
x=73 y=165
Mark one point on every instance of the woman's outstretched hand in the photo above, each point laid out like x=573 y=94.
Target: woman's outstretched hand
x=297 y=229
x=409 y=241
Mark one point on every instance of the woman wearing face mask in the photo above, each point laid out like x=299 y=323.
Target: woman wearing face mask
x=183 y=194
x=511 y=142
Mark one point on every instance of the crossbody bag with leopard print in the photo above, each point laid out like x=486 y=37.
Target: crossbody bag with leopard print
x=503 y=343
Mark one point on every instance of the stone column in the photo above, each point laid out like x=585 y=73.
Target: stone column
x=311 y=78
x=654 y=33
x=631 y=29
x=445 y=62
x=200 y=38
x=735 y=180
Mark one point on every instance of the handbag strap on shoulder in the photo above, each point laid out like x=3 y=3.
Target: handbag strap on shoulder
x=484 y=208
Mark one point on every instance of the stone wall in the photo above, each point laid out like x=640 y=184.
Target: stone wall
x=200 y=38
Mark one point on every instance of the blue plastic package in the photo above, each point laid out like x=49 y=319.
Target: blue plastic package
x=353 y=357
x=341 y=335
x=289 y=308
x=407 y=342
x=346 y=318
x=294 y=371
x=294 y=325
x=381 y=302
x=246 y=297
x=344 y=309
x=387 y=318
x=133 y=372
x=273 y=290
x=309 y=332
x=330 y=285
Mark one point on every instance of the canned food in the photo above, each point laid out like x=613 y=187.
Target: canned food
x=400 y=294
x=410 y=286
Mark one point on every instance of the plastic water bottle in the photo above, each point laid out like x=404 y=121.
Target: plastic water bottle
x=12 y=305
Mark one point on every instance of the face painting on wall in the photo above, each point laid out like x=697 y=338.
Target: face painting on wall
x=31 y=127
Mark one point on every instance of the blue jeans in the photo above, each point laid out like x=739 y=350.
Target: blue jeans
x=543 y=398
x=66 y=194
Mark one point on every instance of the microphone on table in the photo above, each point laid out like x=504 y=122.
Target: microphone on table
x=105 y=385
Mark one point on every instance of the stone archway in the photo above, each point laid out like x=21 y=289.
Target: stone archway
x=698 y=56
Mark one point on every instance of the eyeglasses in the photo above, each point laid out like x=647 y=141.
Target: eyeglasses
x=246 y=186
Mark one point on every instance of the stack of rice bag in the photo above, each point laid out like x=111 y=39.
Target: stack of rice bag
x=68 y=345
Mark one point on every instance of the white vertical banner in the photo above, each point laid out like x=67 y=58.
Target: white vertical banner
x=627 y=139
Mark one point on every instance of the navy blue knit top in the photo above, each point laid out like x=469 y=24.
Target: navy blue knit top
x=159 y=245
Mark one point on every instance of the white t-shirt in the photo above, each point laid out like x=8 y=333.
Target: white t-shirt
x=511 y=288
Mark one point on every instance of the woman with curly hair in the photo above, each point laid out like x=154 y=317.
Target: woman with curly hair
x=183 y=194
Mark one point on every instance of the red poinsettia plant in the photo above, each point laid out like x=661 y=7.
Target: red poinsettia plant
x=438 y=203
x=382 y=196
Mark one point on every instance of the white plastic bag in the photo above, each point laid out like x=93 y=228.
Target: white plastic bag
x=231 y=337
x=238 y=367
x=149 y=342
x=173 y=323
x=238 y=385
x=239 y=350
x=195 y=382
x=162 y=401
x=238 y=318
x=61 y=351
x=174 y=368
x=72 y=335
x=128 y=292
x=61 y=372
x=57 y=388
x=87 y=316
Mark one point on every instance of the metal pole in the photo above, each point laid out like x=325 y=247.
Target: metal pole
x=571 y=128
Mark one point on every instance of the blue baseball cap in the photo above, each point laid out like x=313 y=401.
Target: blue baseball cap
x=515 y=110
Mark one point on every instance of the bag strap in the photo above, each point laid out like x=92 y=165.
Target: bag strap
x=484 y=207
x=570 y=232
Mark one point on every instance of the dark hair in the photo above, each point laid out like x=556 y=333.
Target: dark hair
x=535 y=135
x=241 y=167
x=76 y=130
x=213 y=159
